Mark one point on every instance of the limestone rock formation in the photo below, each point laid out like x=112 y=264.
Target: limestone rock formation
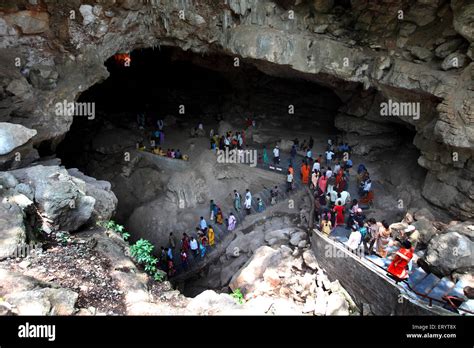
x=12 y=228
x=450 y=252
x=13 y=136
x=385 y=54
x=63 y=200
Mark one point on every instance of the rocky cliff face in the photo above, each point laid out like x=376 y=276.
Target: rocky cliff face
x=368 y=52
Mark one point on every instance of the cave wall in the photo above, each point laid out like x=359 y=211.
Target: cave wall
x=51 y=51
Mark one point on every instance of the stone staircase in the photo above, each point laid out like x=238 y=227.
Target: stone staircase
x=420 y=285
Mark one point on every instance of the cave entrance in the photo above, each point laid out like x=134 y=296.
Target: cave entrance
x=185 y=89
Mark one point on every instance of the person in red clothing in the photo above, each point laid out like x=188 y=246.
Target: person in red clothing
x=305 y=173
x=399 y=266
x=339 y=210
x=185 y=243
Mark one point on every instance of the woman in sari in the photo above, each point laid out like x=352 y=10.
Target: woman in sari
x=339 y=210
x=219 y=216
x=314 y=179
x=305 y=174
x=211 y=236
x=383 y=239
x=232 y=222
x=202 y=250
x=326 y=226
x=237 y=202
x=399 y=265
x=323 y=182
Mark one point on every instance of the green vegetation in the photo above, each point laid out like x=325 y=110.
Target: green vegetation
x=63 y=237
x=238 y=296
x=141 y=251
x=112 y=225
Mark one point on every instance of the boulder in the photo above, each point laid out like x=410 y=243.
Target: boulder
x=20 y=88
x=423 y=213
x=421 y=53
x=239 y=245
x=337 y=305
x=210 y=302
x=310 y=260
x=426 y=230
x=450 y=252
x=321 y=302
x=463 y=15
x=254 y=268
x=7 y=181
x=273 y=237
x=297 y=237
x=105 y=200
x=30 y=22
x=87 y=14
x=12 y=229
x=60 y=198
x=43 y=302
x=454 y=61
x=229 y=270
x=13 y=136
x=445 y=49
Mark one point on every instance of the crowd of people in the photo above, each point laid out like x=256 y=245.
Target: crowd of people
x=327 y=175
x=157 y=138
x=198 y=244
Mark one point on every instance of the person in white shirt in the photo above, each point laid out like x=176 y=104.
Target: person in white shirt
x=248 y=201
x=289 y=182
x=329 y=172
x=354 y=239
x=337 y=168
x=329 y=155
x=276 y=155
x=367 y=186
x=316 y=166
x=344 y=197
x=333 y=195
